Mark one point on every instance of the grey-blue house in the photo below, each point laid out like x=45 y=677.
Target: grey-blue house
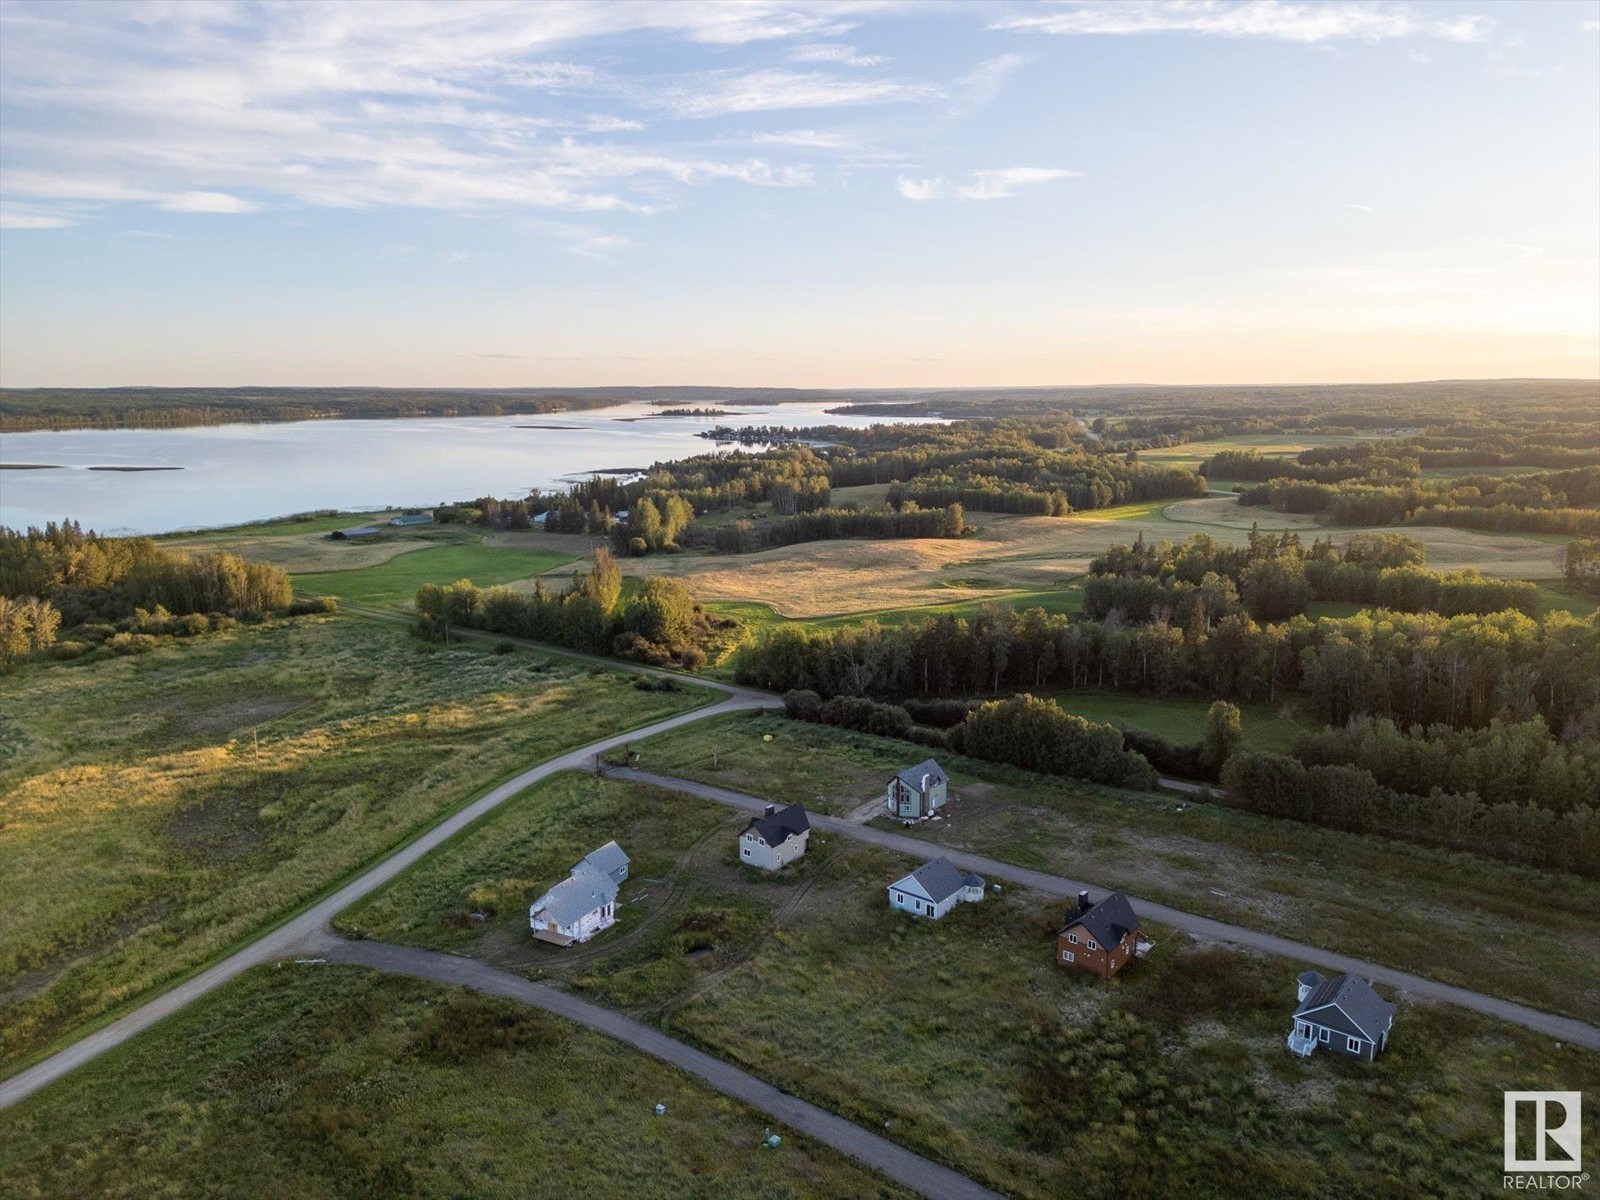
x=1342 y=1014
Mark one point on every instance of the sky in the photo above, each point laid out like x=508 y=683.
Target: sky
x=767 y=193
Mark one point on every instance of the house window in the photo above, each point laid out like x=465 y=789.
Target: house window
x=747 y=851
x=1326 y=1035
x=1354 y=1044
x=1073 y=938
x=1068 y=956
x=1092 y=945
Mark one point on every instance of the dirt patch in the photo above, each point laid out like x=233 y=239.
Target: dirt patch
x=205 y=718
x=221 y=828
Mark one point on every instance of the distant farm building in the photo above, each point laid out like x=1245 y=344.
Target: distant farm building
x=918 y=791
x=355 y=531
x=934 y=889
x=1343 y=1014
x=1101 y=938
x=412 y=519
x=776 y=839
x=584 y=903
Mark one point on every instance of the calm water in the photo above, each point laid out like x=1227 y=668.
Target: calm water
x=236 y=473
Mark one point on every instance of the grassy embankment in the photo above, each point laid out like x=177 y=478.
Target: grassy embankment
x=333 y=1081
x=1409 y=907
x=962 y=1039
x=159 y=810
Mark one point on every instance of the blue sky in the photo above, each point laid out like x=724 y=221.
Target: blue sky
x=765 y=193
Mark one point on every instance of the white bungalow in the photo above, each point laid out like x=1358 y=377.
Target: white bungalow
x=584 y=903
x=934 y=889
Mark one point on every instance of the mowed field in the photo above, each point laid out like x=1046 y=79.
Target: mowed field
x=1013 y=555
x=961 y=1038
x=394 y=584
x=1407 y=906
x=157 y=809
x=312 y=1082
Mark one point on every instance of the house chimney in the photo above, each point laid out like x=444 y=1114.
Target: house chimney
x=1083 y=902
x=771 y=808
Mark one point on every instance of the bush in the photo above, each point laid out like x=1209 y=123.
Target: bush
x=941 y=714
x=803 y=705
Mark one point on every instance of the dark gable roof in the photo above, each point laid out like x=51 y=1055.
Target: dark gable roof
x=1109 y=921
x=1347 y=1003
x=781 y=825
x=941 y=879
x=912 y=777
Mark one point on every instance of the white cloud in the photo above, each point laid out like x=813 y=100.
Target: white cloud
x=996 y=184
x=719 y=93
x=983 y=82
x=11 y=218
x=206 y=202
x=999 y=184
x=1276 y=19
x=811 y=139
x=920 y=189
x=584 y=240
x=1589 y=27
x=229 y=107
x=834 y=52
x=1365 y=208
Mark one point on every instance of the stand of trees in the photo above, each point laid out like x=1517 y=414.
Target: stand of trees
x=1555 y=502
x=743 y=537
x=1350 y=798
x=658 y=624
x=1413 y=668
x=90 y=577
x=1518 y=761
x=1023 y=731
x=1200 y=581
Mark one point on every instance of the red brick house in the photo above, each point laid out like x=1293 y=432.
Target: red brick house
x=1101 y=938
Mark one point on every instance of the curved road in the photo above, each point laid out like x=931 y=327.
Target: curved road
x=311 y=924
x=921 y=1174
x=1567 y=1029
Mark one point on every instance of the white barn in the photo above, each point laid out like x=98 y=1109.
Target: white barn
x=776 y=839
x=934 y=889
x=585 y=902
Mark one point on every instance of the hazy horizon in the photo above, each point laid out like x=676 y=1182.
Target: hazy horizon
x=824 y=195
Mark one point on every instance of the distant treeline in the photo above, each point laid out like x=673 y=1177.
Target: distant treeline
x=911 y=521
x=1562 y=502
x=1200 y=581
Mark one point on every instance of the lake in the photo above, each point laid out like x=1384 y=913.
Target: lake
x=236 y=473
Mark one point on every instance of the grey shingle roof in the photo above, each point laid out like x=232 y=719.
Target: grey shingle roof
x=575 y=896
x=781 y=825
x=1109 y=921
x=359 y=531
x=412 y=519
x=912 y=776
x=608 y=860
x=1349 y=1004
x=942 y=879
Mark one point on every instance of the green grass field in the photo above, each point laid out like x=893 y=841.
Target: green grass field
x=1182 y=719
x=757 y=617
x=1413 y=908
x=394 y=583
x=287 y=526
x=159 y=809
x=961 y=1039
x=303 y=1083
